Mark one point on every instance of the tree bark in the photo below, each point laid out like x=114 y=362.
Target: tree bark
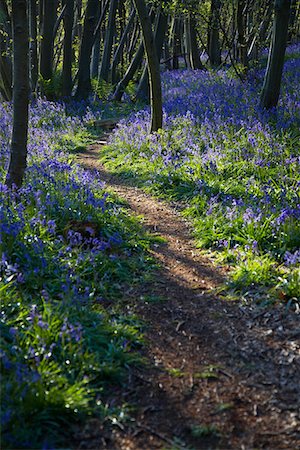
x=18 y=152
x=153 y=66
x=241 y=28
x=272 y=82
x=97 y=40
x=84 y=86
x=192 y=50
x=33 y=50
x=122 y=85
x=109 y=35
x=159 y=37
x=46 y=56
x=293 y=20
x=68 y=51
x=5 y=59
x=214 y=48
x=176 y=38
x=118 y=53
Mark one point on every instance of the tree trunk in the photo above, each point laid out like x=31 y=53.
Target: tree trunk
x=192 y=50
x=68 y=51
x=122 y=85
x=97 y=40
x=96 y=56
x=159 y=37
x=214 y=48
x=33 y=50
x=109 y=35
x=176 y=43
x=133 y=40
x=293 y=20
x=153 y=66
x=84 y=86
x=117 y=55
x=271 y=88
x=18 y=152
x=187 y=40
x=241 y=28
x=167 y=55
x=5 y=59
x=46 y=56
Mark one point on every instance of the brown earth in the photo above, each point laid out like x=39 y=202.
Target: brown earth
x=219 y=374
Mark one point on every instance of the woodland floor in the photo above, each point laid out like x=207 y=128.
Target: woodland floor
x=219 y=374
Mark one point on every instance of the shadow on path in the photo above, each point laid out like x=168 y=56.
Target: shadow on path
x=218 y=374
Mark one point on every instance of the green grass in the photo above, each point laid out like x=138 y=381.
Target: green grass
x=251 y=247
x=66 y=339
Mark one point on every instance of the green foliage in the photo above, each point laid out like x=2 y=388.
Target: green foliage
x=51 y=88
x=68 y=252
x=238 y=183
x=58 y=359
x=289 y=286
x=102 y=88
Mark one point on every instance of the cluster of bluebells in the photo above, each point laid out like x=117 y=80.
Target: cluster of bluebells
x=55 y=190
x=60 y=245
x=238 y=163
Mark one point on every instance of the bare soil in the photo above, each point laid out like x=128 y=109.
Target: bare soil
x=219 y=374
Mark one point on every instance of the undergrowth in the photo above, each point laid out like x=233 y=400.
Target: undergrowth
x=233 y=166
x=68 y=252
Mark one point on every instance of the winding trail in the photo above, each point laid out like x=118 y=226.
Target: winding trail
x=218 y=374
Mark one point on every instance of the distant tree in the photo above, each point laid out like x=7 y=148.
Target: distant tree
x=68 y=22
x=161 y=23
x=153 y=65
x=108 y=44
x=133 y=66
x=241 y=20
x=33 y=48
x=191 y=45
x=5 y=58
x=272 y=82
x=119 y=52
x=18 y=151
x=214 y=48
x=48 y=19
x=84 y=86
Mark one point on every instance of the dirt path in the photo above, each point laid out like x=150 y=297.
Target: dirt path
x=219 y=374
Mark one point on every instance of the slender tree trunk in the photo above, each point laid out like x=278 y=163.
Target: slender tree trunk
x=96 y=47
x=133 y=41
x=241 y=28
x=33 y=48
x=260 y=35
x=272 y=82
x=293 y=19
x=110 y=31
x=46 y=56
x=68 y=51
x=159 y=37
x=84 y=86
x=214 y=47
x=153 y=65
x=176 y=43
x=96 y=56
x=187 y=41
x=5 y=59
x=97 y=40
x=18 y=152
x=118 y=53
x=167 y=55
x=192 y=50
x=136 y=61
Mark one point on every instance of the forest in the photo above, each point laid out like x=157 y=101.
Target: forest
x=150 y=224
